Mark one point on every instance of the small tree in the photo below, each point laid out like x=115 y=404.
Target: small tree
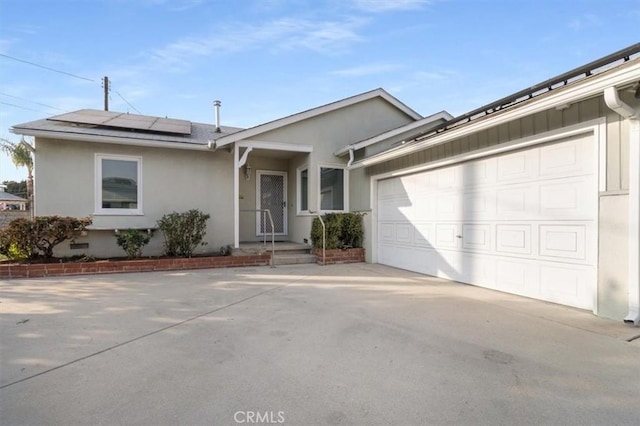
x=132 y=241
x=38 y=236
x=183 y=232
x=20 y=154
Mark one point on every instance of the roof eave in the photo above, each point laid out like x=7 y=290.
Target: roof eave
x=46 y=134
x=291 y=119
x=442 y=115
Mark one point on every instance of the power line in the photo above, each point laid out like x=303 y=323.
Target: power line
x=21 y=107
x=34 y=102
x=128 y=103
x=59 y=72
x=47 y=68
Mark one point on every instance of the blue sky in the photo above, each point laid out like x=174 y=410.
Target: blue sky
x=265 y=59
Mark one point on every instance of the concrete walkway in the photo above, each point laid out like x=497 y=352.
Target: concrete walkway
x=305 y=345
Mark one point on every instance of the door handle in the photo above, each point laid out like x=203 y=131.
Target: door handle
x=284 y=204
x=458 y=236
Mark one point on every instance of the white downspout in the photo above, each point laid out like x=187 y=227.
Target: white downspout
x=236 y=197
x=350 y=157
x=613 y=101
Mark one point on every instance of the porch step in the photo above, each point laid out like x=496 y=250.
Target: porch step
x=286 y=252
x=293 y=259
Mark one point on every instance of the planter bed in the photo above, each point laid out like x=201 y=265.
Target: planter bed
x=37 y=270
x=336 y=256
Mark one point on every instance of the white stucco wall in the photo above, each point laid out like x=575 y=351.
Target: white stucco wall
x=327 y=133
x=173 y=180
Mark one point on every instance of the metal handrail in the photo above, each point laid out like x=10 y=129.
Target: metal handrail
x=273 y=238
x=324 y=236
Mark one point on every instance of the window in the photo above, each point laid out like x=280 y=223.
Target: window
x=332 y=189
x=303 y=189
x=118 y=184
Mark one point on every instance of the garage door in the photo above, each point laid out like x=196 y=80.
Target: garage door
x=523 y=222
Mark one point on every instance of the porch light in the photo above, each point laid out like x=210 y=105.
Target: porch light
x=247 y=172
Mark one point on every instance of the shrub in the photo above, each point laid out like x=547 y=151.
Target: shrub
x=183 y=232
x=132 y=241
x=37 y=237
x=343 y=230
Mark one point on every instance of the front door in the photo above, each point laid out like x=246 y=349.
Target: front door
x=271 y=194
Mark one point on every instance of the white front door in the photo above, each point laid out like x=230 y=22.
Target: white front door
x=271 y=194
x=523 y=222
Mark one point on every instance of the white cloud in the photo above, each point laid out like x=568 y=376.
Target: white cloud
x=369 y=69
x=326 y=37
x=377 y=6
x=176 y=5
x=584 y=22
x=421 y=80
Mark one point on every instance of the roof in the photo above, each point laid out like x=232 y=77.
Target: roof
x=5 y=196
x=423 y=125
x=198 y=138
x=304 y=115
x=619 y=69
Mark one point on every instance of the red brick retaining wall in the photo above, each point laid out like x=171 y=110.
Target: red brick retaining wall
x=333 y=256
x=142 y=265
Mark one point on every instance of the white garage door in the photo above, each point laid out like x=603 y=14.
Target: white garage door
x=523 y=222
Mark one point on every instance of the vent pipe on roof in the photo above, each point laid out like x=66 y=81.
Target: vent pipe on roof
x=216 y=106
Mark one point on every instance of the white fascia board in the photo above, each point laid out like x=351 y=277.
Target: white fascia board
x=274 y=146
x=108 y=139
x=443 y=115
x=588 y=89
x=276 y=124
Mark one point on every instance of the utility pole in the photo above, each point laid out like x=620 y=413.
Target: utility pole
x=105 y=84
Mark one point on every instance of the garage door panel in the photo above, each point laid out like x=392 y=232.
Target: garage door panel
x=479 y=205
x=447 y=207
x=517 y=167
x=568 y=199
x=446 y=236
x=566 y=159
x=518 y=277
x=404 y=233
x=516 y=202
x=564 y=284
x=449 y=178
x=423 y=235
x=479 y=173
x=563 y=241
x=523 y=222
x=386 y=232
x=476 y=237
x=513 y=239
x=391 y=209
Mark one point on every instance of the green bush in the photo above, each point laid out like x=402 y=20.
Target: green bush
x=183 y=232
x=37 y=237
x=343 y=230
x=132 y=241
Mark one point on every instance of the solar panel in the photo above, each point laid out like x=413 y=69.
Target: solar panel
x=118 y=120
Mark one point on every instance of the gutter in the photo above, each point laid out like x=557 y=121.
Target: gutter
x=564 y=96
x=629 y=113
x=428 y=122
x=108 y=139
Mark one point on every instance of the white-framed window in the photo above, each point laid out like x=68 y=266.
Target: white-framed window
x=302 y=181
x=118 y=185
x=333 y=188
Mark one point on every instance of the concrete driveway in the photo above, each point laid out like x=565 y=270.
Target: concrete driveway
x=305 y=345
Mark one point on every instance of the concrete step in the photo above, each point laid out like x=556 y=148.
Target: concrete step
x=293 y=259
